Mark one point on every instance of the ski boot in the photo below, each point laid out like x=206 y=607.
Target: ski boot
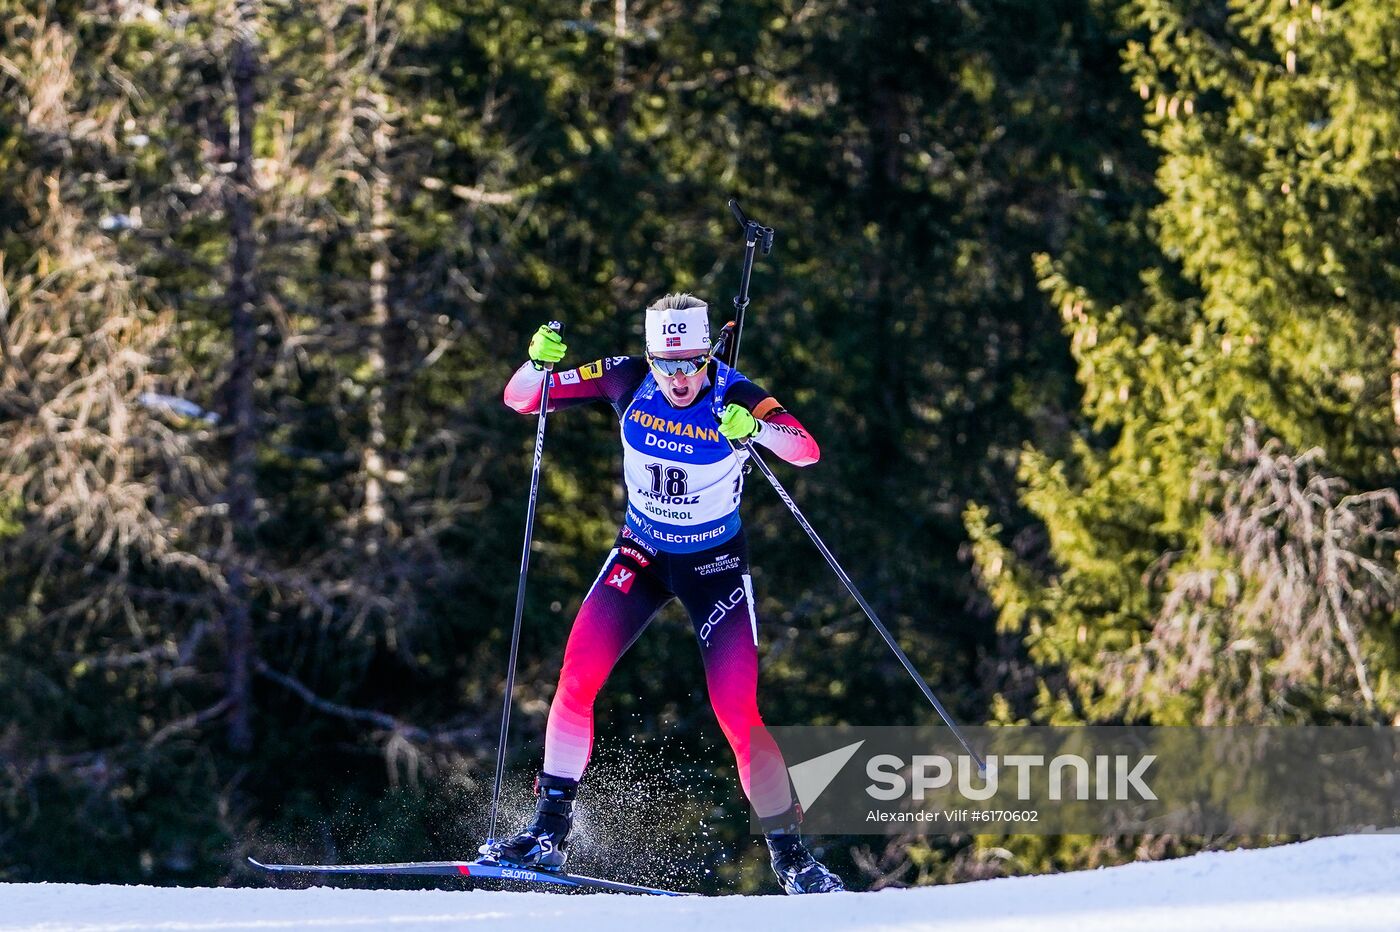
x=797 y=870
x=545 y=843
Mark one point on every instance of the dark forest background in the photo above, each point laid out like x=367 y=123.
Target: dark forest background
x=1090 y=303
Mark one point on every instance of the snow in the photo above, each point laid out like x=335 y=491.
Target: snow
x=1346 y=883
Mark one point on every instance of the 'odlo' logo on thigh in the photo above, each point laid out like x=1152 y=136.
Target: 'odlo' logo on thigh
x=722 y=607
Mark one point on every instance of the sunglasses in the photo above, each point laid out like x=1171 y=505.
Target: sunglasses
x=675 y=367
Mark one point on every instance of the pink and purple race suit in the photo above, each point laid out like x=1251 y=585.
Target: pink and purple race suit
x=681 y=538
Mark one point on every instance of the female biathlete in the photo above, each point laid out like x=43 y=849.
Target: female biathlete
x=681 y=539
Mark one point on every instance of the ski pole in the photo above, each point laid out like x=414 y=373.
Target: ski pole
x=865 y=606
x=520 y=590
x=754 y=235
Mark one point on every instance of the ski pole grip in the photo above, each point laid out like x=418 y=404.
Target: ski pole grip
x=765 y=240
x=754 y=231
x=557 y=327
x=738 y=213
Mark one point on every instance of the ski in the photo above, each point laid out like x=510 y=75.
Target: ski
x=474 y=869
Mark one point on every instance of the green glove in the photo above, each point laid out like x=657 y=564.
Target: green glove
x=737 y=423
x=546 y=347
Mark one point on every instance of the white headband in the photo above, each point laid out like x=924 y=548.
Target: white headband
x=678 y=328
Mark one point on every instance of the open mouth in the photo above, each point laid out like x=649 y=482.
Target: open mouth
x=680 y=391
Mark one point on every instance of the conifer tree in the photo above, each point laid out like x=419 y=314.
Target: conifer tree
x=1263 y=322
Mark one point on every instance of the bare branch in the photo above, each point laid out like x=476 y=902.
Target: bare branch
x=469 y=737
x=1294 y=568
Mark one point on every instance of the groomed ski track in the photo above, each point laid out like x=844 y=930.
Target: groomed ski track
x=1348 y=883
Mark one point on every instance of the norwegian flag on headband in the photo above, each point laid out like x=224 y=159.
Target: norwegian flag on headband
x=672 y=341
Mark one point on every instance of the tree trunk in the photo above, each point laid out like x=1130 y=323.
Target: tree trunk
x=620 y=104
x=1395 y=387
x=242 y=302
x=372 y=461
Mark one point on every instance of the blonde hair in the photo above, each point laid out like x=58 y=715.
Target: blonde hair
x=678 y=301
